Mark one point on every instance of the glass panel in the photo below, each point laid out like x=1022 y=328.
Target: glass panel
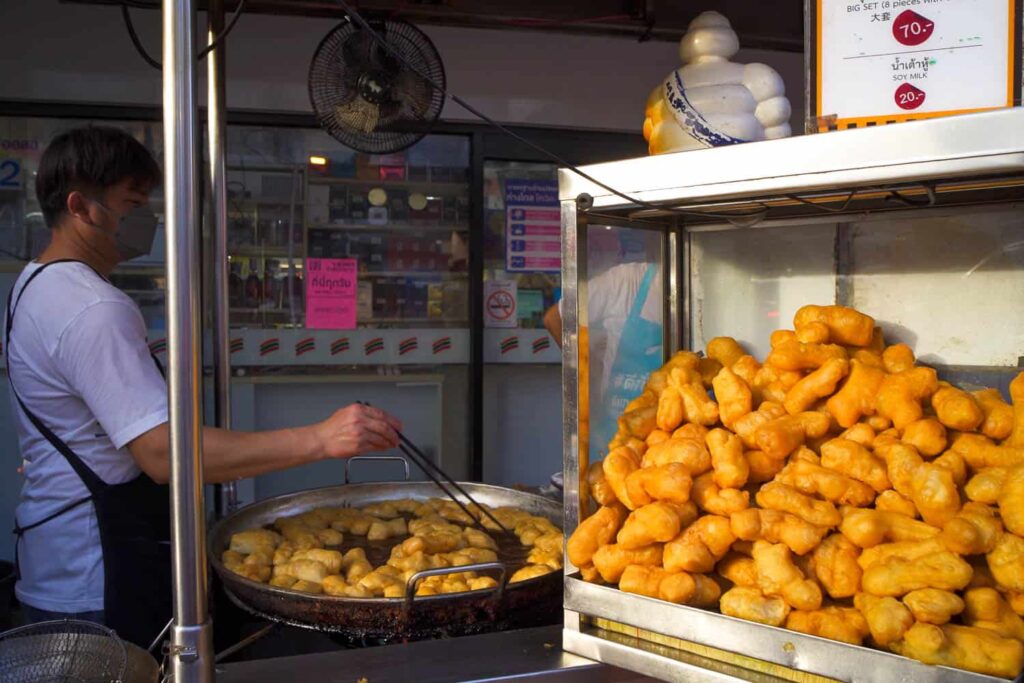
x=522 y=413
x=625 y=315
x=537 y=282
x=949 y=286
x=404 y=217
x=23 y=232
x=748 y=283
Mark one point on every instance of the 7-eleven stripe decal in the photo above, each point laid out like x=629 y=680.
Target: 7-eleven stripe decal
x=236 y=345
x=373 y=346
x=159 y=346
x=441 y=345
x=408 y=346
x=541 y=344
x=509 y=344
x=270 y=346
x=304 y=346
x=339 y=345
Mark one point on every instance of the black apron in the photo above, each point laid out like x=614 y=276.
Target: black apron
x=134 y=524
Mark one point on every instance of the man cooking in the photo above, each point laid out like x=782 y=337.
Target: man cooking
x=91 y=403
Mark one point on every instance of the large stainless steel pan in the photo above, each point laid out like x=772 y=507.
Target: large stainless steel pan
x=527 y=603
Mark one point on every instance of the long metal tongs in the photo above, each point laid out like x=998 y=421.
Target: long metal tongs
x=433 y=471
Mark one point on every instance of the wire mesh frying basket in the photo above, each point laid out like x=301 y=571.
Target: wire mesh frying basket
x=66 y=651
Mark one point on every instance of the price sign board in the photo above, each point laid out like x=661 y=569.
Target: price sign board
x=331 y=293
x=874 y=62
x=533 y=231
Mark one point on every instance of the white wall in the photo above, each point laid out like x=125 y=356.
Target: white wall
x=65 y=52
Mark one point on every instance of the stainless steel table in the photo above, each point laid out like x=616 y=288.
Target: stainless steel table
x=530 y=654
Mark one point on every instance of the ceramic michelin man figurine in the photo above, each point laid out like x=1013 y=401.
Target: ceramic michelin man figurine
x=710 y=101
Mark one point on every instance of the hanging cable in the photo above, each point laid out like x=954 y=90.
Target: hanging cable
x=818 y=205
x=364 y=25
x=929 y=189
x=141 y=49
x=224 y=34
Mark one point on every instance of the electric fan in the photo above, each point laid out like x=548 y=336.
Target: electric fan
x=366 y=97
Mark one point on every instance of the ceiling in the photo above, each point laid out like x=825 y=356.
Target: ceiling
x=776 y=25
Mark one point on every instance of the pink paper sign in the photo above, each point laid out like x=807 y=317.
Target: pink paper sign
x=331 y=287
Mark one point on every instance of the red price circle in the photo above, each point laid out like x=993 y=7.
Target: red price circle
x=910 y=28
x=909 y=97
x=501 y=305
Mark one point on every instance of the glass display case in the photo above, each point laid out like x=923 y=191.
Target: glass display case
x=915 y=224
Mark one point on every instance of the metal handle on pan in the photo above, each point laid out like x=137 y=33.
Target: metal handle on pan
x=405 y=463
x=499 y=590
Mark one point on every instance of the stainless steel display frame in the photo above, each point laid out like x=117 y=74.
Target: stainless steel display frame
x=959 y=161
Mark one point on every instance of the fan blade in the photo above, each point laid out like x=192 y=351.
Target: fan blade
x=357 y=115
x=413 y=92
x=357 y=48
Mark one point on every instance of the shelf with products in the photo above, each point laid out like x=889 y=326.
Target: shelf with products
x=274 y=251
x=382 y=251
x=269 y=311
x=386 y=203
x=419 y=273
x=263 y=228
x=461 y=322
x=436 y=185
x=276 y=181
x=263 y=283
x=392 y=226
x=259 y=286
x=246 y=202
x=265 y=206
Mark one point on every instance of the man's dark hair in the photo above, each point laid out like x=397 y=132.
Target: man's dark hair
x=90 y=159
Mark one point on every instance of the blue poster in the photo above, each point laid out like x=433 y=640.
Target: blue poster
x=533 y=228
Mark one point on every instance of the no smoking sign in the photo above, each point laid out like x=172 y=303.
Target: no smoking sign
x=501 y=306
x=500 y=303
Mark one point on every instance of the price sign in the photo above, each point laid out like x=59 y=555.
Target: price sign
x=909 y=97
x=331 y=288
x=885 y=61
x=910 y=28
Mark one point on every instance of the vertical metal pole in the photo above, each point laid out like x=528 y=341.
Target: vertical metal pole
x=672 y=258
x=575 y=347
x=476 y=309
x=191 y=650
x=216 y=135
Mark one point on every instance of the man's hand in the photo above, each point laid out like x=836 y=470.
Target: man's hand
x=357 y=429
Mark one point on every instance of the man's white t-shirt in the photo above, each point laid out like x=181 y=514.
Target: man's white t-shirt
x=79 y=359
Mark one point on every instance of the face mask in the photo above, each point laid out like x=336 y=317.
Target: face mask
x=135 y=232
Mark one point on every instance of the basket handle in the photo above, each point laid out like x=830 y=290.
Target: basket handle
x=379 y=458
x=414 y=580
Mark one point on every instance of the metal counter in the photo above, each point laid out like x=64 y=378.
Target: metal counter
x=529 y=654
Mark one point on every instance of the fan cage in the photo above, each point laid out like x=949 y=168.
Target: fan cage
x=333 y=83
